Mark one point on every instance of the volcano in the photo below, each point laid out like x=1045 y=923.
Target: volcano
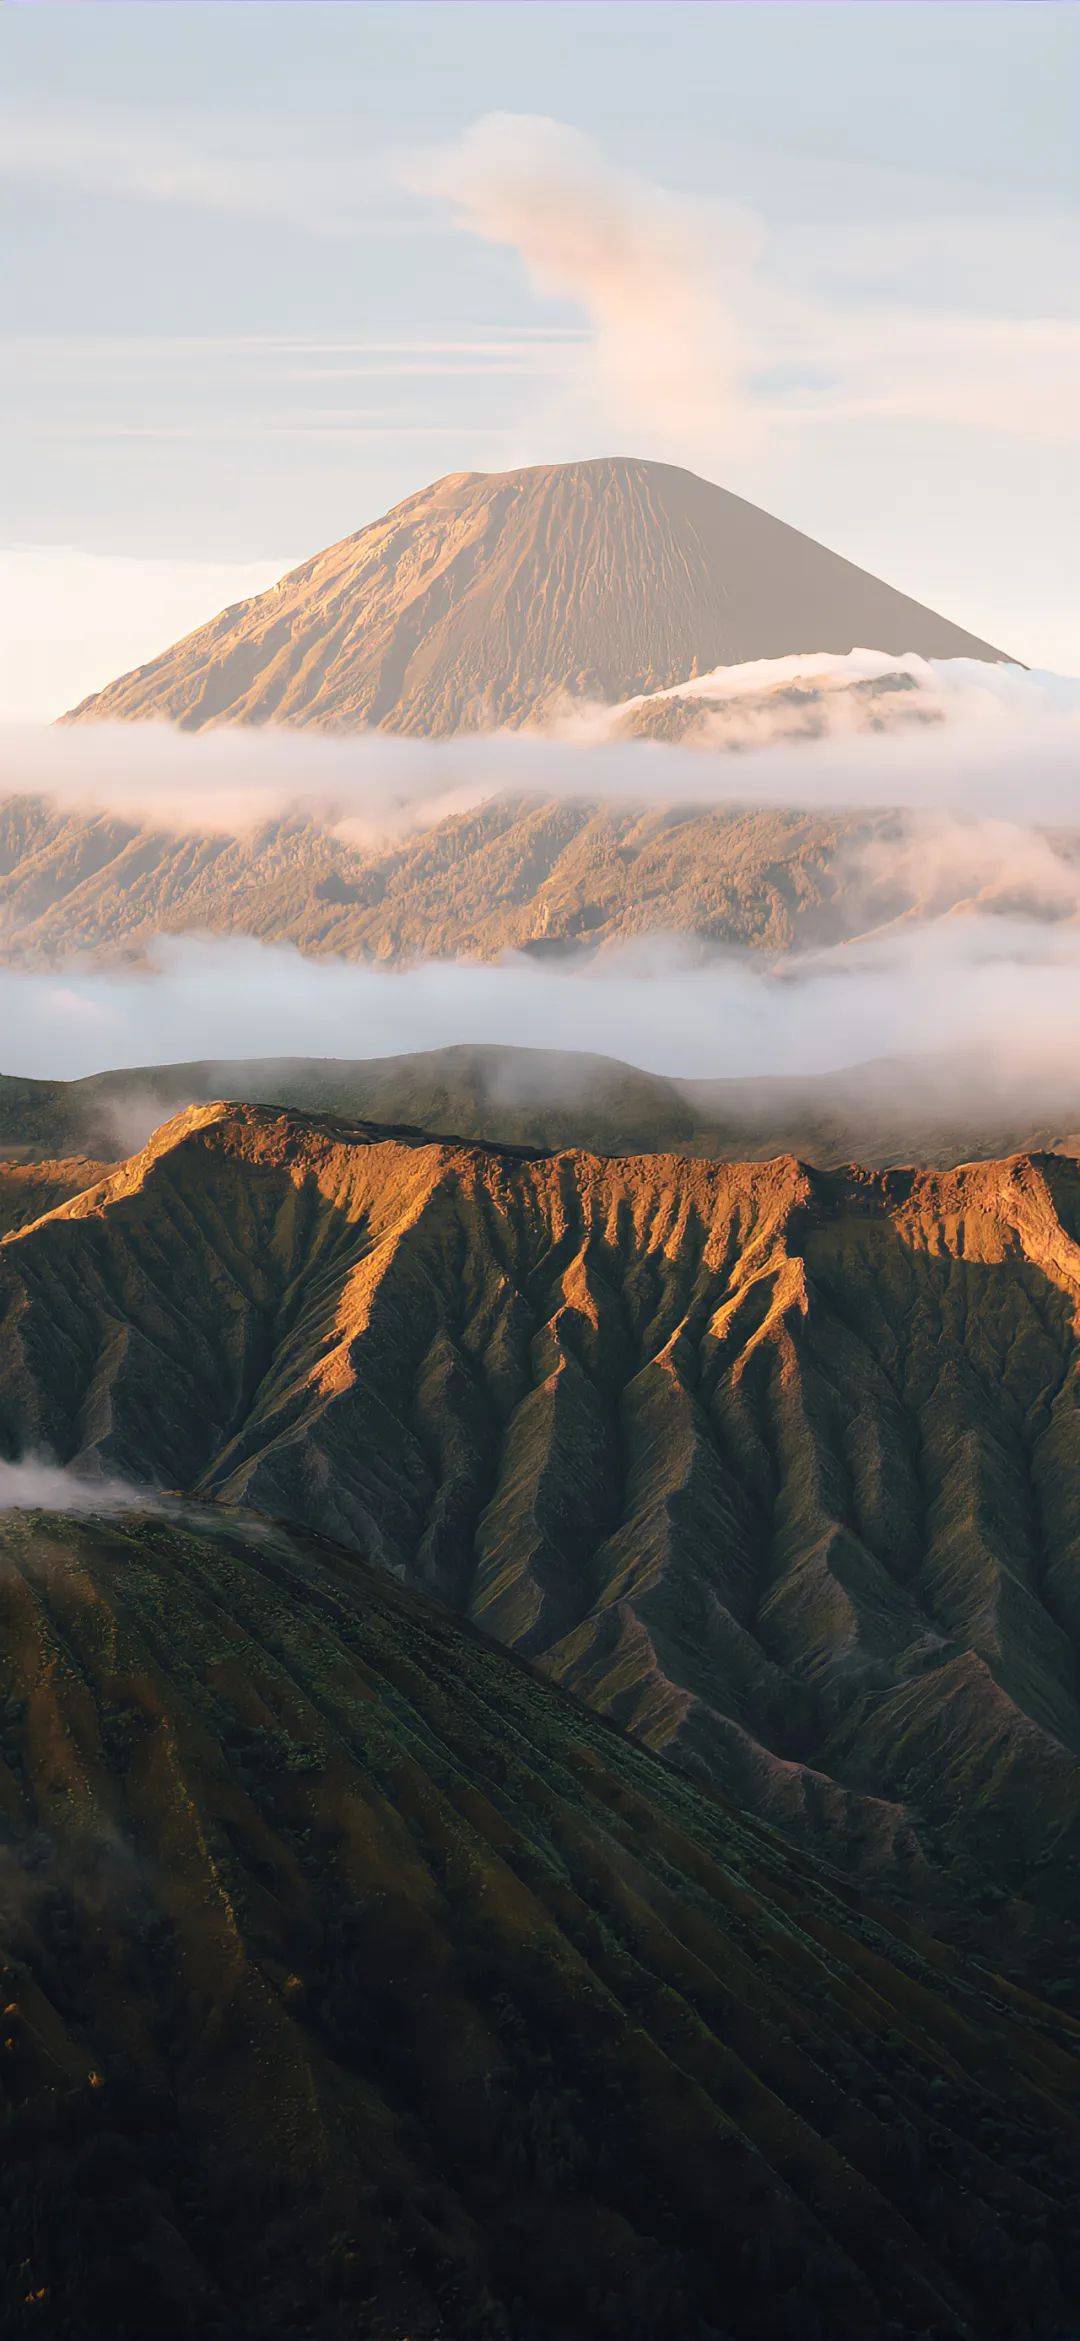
x=495 y=598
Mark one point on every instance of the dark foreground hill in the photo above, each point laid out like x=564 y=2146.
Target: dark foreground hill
x=778 y=1468
x=357 y=1983
x=491 y=598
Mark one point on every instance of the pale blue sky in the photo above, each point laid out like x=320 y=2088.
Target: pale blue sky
x=245 y=310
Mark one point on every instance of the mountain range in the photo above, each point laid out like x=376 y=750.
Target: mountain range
x=64 y=1135
x=493 y=599
x=553 y=878
x=777 y=1469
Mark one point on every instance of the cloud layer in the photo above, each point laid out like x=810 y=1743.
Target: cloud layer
x=995 y=993
x=1006 y=751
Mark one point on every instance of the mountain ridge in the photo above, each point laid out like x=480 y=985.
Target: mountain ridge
x=776 y=1467
x=883 y=1113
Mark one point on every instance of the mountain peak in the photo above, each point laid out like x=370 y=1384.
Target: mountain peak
x=492 y=598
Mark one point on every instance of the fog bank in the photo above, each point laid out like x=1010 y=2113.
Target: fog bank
x=1007 y=746
x=997 y=992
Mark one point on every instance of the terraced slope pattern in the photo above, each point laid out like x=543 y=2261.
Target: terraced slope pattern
x=777 y=1468
x=356 y=1982
x=492 y=598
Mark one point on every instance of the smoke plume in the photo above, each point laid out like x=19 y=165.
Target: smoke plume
x=654 y=273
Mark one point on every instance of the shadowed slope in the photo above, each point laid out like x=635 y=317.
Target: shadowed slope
x=489 y=598
x=890 y=1111
x=357 y=1983
x=778 y=1468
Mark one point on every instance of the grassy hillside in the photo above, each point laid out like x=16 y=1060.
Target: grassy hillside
x=881 y=1113
x=357 y=1982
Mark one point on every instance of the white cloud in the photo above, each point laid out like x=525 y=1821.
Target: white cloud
x=1000 y=996
x=1008 y=748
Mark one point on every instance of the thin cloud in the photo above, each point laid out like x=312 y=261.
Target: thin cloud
x=274 y=169
x=36 y=1484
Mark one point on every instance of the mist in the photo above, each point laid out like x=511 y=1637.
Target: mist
x=35 y=1484
x=999 y=994
x=1002 y=744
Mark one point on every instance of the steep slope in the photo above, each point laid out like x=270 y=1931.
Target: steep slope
x=927 y=1110
x=490 y=598
x=358 y=1983
x=778 y=1468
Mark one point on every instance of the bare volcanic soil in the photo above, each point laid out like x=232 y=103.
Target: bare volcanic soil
x=357 y=1982
x=777 y=1468
x=492 y=598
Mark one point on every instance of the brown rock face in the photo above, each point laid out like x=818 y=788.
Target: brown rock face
x=778 y=1468
x=489 y=599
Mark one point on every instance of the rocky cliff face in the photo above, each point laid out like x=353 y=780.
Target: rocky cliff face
x=777 y=1468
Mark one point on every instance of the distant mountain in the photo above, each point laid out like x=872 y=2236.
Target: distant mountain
x=546 y=876
x=491 y=598
x=926 y=1110
x=357 y=1983
x=779 y=1469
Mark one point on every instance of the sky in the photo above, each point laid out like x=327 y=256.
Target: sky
x=270 y=268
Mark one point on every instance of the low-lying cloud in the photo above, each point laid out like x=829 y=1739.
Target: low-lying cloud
x=35 y=1484
x=1006 y=747
x=997 y=994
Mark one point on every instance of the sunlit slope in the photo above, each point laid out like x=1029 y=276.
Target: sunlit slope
x=777 y=1467
x=358 y=1983
x=491 y=598
x=546 y=877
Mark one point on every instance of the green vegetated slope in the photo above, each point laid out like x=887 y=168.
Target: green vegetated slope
x=778 y=1468
x=886 y=1112
x=357 y=1982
